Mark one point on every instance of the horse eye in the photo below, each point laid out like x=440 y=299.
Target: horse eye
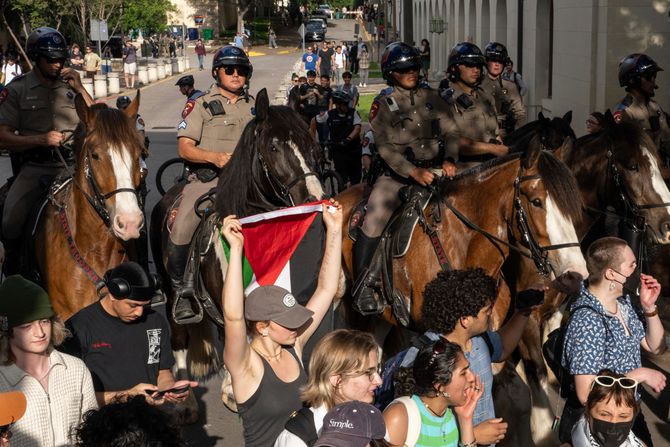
x=634 y=167
x=95 y=156
x=537 y=203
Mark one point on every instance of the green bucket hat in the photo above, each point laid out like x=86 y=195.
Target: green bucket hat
x=21 y=302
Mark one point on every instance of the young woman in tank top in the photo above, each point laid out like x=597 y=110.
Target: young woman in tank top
x=266 y=369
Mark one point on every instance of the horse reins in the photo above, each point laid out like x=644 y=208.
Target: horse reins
x=278 y=188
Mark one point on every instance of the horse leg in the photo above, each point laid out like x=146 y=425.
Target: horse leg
x=512 y=402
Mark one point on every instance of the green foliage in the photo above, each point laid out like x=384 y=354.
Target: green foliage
x=36 y=13
x=149 y=15
x=334 y=4
x=364 y=103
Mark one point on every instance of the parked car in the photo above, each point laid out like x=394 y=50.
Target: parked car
x=327 y=9
x=324 y=25
x=314 y=30
x=319 y=14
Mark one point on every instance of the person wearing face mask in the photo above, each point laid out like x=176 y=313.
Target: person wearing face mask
x=344 y=367
x=606 y=331
x=473 y=108
x=637 y=74
x=610 y=411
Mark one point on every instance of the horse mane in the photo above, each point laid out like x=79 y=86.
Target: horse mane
x=623 y=139
x=522 y=137
x=558 y=180
x=112 y=129
x=237 y=185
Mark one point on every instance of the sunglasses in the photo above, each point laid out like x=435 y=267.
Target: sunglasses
x=241 y=70
x=438 y=349
x=407 y=70
x=471 y=65
x=607 y=381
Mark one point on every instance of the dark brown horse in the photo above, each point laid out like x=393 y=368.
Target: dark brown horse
x=88 y=222
x=273 y=166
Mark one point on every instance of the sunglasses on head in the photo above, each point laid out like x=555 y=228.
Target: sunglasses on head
x=608 y=381
x=438 y=349
x=241 y=71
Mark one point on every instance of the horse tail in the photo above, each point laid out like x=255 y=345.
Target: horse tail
x=202 y=354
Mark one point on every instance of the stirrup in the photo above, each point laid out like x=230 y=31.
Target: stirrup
x=188 y=294
x=364 y=291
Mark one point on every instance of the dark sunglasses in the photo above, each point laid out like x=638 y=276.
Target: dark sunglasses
x=407 y=70
x=55 y=60
x=241 y=70
x=438 y=349
x=471 y=65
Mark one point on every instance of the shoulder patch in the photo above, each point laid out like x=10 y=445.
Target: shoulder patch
x=4 y=93
x=188 y=108
x=374 y=108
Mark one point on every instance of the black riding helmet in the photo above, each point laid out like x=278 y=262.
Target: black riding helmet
x=230 y=55
x=122 y=102
x=340 y=97
x=464 y=53
x=634 y=66
x=496 y=52
x=46 y=42
x=399 y=56
x=186 y=80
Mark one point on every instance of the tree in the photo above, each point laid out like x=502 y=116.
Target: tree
x=146 y=14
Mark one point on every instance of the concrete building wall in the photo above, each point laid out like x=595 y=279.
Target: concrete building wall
x=569 y=49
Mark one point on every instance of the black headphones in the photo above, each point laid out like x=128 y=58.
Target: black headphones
x=120 y=289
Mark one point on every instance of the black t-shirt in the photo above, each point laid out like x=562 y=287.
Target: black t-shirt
x=311 y=103
x=120 y=355
x=324 y=102
x=325 y=58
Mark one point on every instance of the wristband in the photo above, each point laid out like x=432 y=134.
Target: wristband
x=651 y=313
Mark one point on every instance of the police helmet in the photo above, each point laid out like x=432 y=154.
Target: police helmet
x=399 y=56
x=464 y=53
x=340 y=97
x=185 y=80
x=634 y=66
x=230 y=55
x=496 y=52
x=46 y=42
x=122 y=102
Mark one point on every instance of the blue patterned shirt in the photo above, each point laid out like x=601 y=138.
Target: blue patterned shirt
x=597 y=340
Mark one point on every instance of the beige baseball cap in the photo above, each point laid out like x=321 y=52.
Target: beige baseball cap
x=276 y=304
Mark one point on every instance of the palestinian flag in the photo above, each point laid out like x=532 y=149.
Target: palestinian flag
x=283 y=248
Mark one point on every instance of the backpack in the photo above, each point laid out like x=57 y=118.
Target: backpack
x=552 y=349
x=302 y=425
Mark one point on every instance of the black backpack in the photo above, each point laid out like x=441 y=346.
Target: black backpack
x=552 y=349
x=302 y=425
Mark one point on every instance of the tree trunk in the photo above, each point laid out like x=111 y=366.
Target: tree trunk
x=18 y=45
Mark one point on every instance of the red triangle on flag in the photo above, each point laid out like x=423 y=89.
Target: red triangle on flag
x=269 y=244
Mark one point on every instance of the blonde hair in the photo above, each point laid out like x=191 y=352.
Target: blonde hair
x=58 y=335
x=342 y=352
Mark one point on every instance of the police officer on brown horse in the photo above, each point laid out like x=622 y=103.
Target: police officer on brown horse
x=37 y=115
x=637 y=74
x=212 y=125
x=417 y=140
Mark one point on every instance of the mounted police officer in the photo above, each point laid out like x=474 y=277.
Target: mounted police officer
x=211 y=126
x=344 y=128
x=637 y=74
x=186 y=88
x=473 y=109
x=417 y=139
x=508 y=102
x=37 y=115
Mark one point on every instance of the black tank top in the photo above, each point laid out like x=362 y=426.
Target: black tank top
x=267 y=410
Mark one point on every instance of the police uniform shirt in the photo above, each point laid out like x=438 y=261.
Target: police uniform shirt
x=475 y=114
x=415 y=121
x=211 y=131
x=647 y=115
x=503 y=91
x=31 y=108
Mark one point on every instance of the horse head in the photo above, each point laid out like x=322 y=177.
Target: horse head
x=274 y=164
x=108 y=149
x=624 y=171
x=547 y=205
x=551 y=132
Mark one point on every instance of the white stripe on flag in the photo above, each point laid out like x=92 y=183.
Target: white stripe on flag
x=283 y=280
x=292 y=211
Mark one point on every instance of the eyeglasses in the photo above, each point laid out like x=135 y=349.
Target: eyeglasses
x=608 y=381
x=241 y=70
x=591 y=122
x=370 y=372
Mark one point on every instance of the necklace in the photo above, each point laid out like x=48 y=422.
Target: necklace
x=269 y=357
x=433 y=411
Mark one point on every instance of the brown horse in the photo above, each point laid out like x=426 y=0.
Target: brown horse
x=87 y=222
x=273 y=166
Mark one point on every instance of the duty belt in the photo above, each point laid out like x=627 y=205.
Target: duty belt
x=47 y=155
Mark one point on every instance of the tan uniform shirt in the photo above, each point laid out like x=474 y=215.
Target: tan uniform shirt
x=479 y=121
x=215 y=133
x=648 y=115
x=506 y=98
x=418 y=120
x=33 y=109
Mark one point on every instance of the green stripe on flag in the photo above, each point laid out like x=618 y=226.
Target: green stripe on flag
x=247 y=272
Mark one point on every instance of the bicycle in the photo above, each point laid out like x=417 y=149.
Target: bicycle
x=174 y=170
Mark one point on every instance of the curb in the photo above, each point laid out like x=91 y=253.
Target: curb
x=125 y=91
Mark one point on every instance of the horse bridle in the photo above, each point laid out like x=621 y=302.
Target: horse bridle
x=281 y=190
x=538 y=253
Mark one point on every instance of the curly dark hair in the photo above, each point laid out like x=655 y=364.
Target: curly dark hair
x=454 y=294
x=434 y=364
x=133 y=423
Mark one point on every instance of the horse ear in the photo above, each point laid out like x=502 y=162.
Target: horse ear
x=134 y=107
x=262 y=105
x=568 y=117
x=540 y=116
x=564 y=149
x=83 y=111
x=531 y=155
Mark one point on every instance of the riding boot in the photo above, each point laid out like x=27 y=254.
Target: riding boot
x=367 y=271
x=13 y=257
x=177 y=258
